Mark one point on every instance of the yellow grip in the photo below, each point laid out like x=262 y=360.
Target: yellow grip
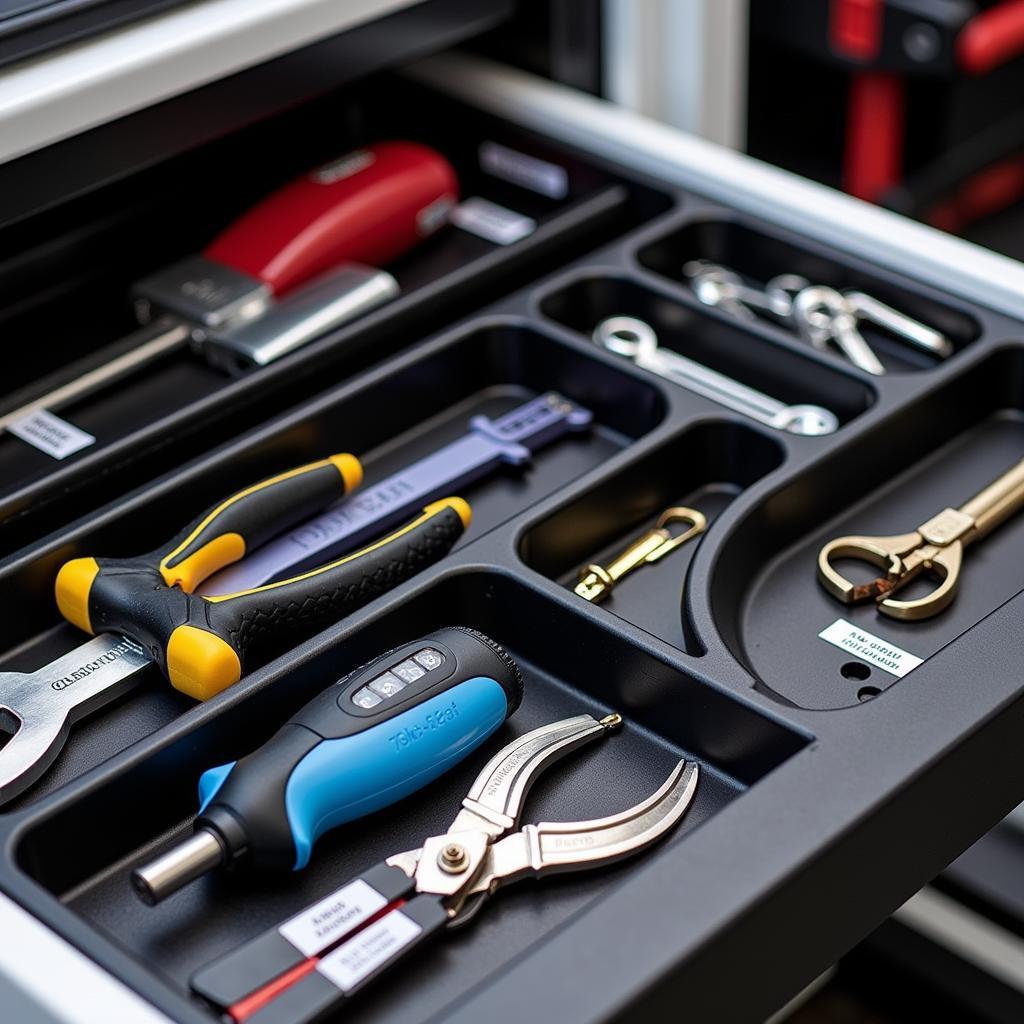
x=200 y=663
x=72 y=588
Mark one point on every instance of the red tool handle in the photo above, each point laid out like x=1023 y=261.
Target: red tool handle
x=368 y=206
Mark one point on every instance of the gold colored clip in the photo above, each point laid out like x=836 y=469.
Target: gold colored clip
x=597 y=581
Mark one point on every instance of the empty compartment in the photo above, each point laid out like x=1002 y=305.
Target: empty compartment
x=932 y=454
x=759 y=256
x=570 y=666
x=389 y=420
x=704 y=468
x=719 y=343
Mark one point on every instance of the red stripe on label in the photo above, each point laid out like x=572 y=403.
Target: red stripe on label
x=268 y=992
x=246 y=1007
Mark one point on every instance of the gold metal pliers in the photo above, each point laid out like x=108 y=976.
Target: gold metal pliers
x=936 y=546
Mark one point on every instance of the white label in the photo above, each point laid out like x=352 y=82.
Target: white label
x=50 y=434
x=324 y=922
x=537 y=175
x=870 y=648
x=373 y=947
x=493 y=222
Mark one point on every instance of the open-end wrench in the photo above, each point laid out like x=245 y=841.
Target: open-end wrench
x=636 y=339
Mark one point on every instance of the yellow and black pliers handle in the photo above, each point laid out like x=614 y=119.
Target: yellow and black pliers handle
x=204 y=644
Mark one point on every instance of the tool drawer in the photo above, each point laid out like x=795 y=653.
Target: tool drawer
x=87 y=272
x=642 y=471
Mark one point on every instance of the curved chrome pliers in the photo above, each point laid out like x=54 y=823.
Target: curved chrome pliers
x=320 y=957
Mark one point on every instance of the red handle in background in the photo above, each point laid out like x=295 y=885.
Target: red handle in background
x=991 y=37
x=369 y=206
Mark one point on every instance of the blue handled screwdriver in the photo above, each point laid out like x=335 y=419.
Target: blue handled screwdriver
x=381 y=733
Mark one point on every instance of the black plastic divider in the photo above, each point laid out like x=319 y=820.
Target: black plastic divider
x=705 y=468
x=727 y=681
x=713 y=339
x=389 y=420
x=724 y=237
x=67 y=278
x=931 y=454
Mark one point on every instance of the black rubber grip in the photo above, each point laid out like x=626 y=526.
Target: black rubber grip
x=204 y=644
x=239 y=524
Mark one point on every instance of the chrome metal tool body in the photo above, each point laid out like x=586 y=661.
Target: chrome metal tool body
x=300 y=263
x=821 y=315
x=635 y=339
x=320 y=957
x=936 y=546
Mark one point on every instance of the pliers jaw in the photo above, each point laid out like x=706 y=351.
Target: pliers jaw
x=467 y=864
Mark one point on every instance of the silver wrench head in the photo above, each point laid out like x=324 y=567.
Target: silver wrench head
x=35 y=738
x=807 y=420
x=37 y=709
x=627 y=336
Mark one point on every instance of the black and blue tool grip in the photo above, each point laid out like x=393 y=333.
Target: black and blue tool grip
x=347 y=754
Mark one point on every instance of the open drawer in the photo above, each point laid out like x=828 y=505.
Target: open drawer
x=833 y=782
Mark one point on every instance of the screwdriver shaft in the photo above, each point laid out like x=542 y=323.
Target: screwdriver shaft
x=173 y=334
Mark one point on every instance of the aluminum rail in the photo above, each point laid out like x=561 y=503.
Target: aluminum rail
x=650 y=148
x=59 y=94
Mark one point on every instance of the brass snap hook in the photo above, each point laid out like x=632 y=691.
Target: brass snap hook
x=597 y=581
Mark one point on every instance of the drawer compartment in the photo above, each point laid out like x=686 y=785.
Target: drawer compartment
x=570 y=667
x=68 y=275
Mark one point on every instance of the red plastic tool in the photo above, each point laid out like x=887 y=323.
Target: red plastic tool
x=369 y=206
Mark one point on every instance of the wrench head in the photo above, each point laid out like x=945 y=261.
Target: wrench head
x=29 y=740
x=808 y=420
x=37 y=709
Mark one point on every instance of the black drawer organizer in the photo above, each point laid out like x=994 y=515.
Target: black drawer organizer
x=66 y=277
x=828 y=794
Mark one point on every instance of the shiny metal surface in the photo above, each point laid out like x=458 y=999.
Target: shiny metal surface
x=155 y=340
x=636 y=340
x=38 y=708
x=182 y=864
x=328 y=302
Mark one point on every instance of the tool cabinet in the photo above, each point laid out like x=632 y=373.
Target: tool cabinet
x=831 y=789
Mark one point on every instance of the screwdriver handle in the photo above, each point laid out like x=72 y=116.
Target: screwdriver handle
x=379 y=734
x=368 y=206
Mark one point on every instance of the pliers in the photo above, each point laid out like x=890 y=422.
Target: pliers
x=204 y=644
x=312 y=963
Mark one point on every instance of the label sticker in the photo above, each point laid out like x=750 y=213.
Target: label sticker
x=492 y=222
x=373 y=947
x=539 y=176
x=50 y=434
x=870 y=648
x=320 y=924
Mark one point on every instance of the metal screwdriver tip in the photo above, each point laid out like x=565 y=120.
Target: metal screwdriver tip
x=183 y=864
